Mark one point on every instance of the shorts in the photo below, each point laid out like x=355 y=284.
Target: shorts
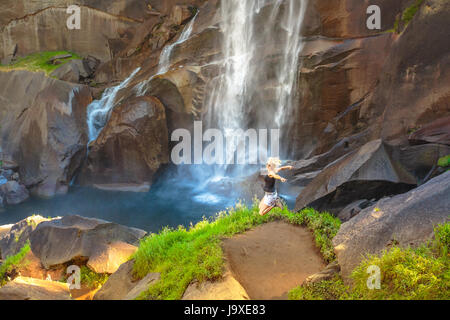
x=270 y=199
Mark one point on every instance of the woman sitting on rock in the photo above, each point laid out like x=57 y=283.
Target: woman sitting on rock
x=271 y=199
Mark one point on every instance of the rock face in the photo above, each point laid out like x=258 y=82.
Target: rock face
x=121 y=285
x=405 y=220
x=375 y=170
x=132 y=146
x=105 y=245
x=436 y=132
x=23 y=288
x=50 y=23
x=17 y=235
x=413 y=86
x=44 y=130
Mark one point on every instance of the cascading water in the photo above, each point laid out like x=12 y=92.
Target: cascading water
x=261 y=48
x=98 y=111
x=164 y=59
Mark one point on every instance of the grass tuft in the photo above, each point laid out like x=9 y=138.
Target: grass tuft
x=11 y=262
x=38 y=62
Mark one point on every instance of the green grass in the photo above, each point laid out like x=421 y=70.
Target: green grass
x=444 y=162
x=183 y=255
x=411 y=11
x=333 y=289
x=406 y=274
x=38 y=62
x=11 y=262
x=92 y=279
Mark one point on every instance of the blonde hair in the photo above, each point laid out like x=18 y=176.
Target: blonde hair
x=274 y=162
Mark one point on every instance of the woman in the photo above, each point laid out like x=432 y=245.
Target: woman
x=271 y=199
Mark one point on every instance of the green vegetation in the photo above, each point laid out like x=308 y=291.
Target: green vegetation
x=184 y=255
x=11 y=262
x=444 y=162
x=406 y=274
x=411 y=11
x=38 y=62
x=333 y=289
x=408 y=14
x=92 y=279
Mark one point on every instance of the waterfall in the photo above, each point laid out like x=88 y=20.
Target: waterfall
x=164 y=60
x=261 y=48
x=98 y=111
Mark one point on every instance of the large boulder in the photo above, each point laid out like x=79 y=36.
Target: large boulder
x=404 y=220
x=14 y=237
x=13 y=192
x=131 y=147
x=105 y=245
x=44 y=130
x=374 y=171
x=24 y=288
x=122 y=285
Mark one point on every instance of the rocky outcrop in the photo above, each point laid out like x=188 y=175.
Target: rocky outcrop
x=121 y=285
x=44 y=130
x=374 y=171
x=132 y=146
x=17 y=235
x=404 y=220
x=227 y=288
x=23 y=288
x=13 y=193
x=103 y=244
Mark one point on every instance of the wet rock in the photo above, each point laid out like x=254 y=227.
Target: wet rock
x=408 y=220
x=131 y=147
x=17 y=235
x=106 y=245
x=23 y=288
x=121 y=285
x=13 y=192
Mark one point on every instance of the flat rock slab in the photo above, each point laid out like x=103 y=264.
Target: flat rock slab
x=23 y=288
x=272 y=259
